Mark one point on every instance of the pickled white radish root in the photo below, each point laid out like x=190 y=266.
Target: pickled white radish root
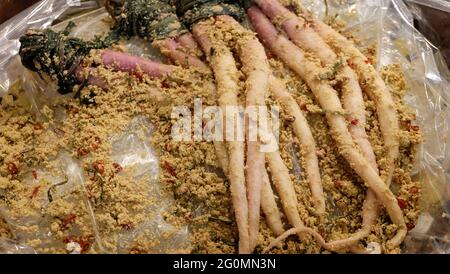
x=329 y=100
x=226 y=74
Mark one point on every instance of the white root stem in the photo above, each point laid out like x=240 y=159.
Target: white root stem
x=285 y=188
x=307 y=143
x=372 y=84
x=257 y=70
x=375 y=87
x=269 y=206
x=352 y=99
x=226 y=74
x=328 y=99
x=368 y=219
x=306 y=38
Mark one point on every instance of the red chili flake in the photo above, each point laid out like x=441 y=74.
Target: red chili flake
x=82 y=151
x=414 y=190
x=68 y=220
x=410 y=226
x=138 y=74
x=97 y=142
x=85 y=243
x=127 y=226
x=34 y=174
x=38 y=126
x=118 y=168
x=169 y=169
x=355 y=122
x=35 y=192
x=99 y=166
x=12 y=168
x=59 y=132
x=402 y=203
x=414 y=128
x=368 y=61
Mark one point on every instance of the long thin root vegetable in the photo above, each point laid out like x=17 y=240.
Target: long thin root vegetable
x=257 y=70
x=329 y=100
x=268 y=203
x=307 y=143
x=304 y=36
x=188 y=42
x=226 y=74
x=372 y=84
x=269 y=206
x=301 y=230
x=298 y=30
x=177 y=54
x=285 y=188
x=126 y=62
x=369 y=219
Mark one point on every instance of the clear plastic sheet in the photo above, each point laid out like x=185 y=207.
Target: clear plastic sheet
x=432 y=19
x=8 y=246
x=385 y=23
x=436 y=4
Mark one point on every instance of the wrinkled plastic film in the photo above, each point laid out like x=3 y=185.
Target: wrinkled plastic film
x=435 y=4
x=8 y=246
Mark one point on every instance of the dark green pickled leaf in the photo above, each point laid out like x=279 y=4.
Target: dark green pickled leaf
x=57 y=55
x=149 y=19
x=192 y=11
